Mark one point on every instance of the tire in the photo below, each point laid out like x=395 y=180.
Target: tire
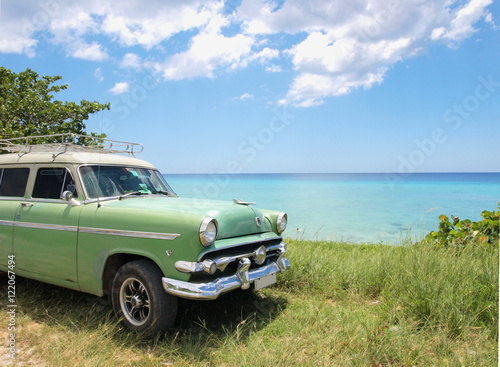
x=140 y=300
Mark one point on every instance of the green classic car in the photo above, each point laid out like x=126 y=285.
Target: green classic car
x=87 y=218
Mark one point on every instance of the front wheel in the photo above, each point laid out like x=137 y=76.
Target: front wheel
x=140 y=300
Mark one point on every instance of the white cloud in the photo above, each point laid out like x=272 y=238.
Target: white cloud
x=309 y=89
x=273 y=69
x=334 y=47
x=91 y=52
x=18 y=45
x=131 y=61
x=120 y=88
x=352 y=45
x=488 y=18
x=265 y=55
x=148 y=26
x=245 y=96
x=98 y=75
x=207 y=51
x=16 y=32
x=129 y=24
x=461 y=25
x=72 y=26
x=330 y=67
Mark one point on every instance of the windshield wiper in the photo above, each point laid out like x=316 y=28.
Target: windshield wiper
x=163 y=192
x=135 y=193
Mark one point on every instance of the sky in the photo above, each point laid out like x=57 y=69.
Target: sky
x=262 y=86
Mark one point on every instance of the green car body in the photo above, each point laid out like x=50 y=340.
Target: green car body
x=66 y=225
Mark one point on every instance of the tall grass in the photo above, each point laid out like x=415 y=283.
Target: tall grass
x=435 y=287
x=339 y=305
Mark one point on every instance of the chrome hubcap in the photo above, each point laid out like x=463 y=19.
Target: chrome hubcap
x=137 y=301
x=134 y=301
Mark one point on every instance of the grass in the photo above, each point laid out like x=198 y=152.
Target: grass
x=339 y=305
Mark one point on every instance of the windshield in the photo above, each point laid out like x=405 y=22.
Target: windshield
x=110 y=181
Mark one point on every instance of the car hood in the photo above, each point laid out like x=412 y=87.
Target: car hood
x=233 y=219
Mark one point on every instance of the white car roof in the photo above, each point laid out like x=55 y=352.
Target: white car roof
x=77 y=158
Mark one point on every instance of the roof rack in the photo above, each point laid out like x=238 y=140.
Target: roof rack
x=61 y=143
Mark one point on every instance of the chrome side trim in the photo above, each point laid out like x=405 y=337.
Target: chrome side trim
x=53 y=227
x=124 y=233
x=112 y=232
x=212 y=290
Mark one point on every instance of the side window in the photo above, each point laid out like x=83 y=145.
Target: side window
x=50 y=183
x=13 y=181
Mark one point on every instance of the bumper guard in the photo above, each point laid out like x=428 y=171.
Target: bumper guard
x=242 y=279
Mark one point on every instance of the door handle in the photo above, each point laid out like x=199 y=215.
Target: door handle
x=26 y=205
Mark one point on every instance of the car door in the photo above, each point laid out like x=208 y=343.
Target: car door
x=46 y=229
x=13 y=182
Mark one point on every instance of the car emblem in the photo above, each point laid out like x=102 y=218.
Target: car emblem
x=257 y=220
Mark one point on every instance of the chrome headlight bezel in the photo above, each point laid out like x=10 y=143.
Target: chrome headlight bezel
x=281 y=222
x=208 y=231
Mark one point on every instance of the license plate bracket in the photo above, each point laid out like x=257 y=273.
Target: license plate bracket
x=265 y=281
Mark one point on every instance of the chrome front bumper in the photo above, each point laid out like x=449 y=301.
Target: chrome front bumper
x=242 y=279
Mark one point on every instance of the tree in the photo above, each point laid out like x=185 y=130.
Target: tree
x=27 y=106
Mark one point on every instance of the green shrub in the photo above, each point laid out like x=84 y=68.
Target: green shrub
x=460 y=233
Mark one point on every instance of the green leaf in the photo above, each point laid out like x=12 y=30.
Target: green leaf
x=27 y=106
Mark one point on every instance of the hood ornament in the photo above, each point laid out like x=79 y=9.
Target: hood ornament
x=243 y=202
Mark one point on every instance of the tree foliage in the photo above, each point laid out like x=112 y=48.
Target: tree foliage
x=28 y=107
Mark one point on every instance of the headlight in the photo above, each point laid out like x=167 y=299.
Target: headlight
x=281 y=222
x=208 y=231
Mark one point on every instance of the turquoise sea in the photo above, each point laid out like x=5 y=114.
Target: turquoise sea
x=361 y=207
